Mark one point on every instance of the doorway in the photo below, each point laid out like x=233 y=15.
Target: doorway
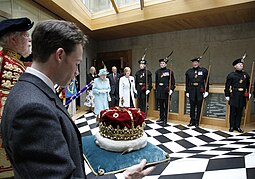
x=120 y=59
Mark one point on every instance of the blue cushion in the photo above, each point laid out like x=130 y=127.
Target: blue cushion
x=106 y=162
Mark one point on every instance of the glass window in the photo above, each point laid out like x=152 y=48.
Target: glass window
x=214 y=106
x=121 y=3
x=174 y=106
x=252 y=105
x=175 y=102
x=97 y=5
x=5 y=6
x=187 y=106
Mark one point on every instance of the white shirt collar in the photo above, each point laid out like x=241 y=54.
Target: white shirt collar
x=42 y=76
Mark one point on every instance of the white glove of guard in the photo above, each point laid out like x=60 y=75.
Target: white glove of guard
x=205 y=94
x=170 y=92
x=103 y=91
x=249 y=95
x=147 y=92
x=109 y=98
x=227 y=98
x=187 y=95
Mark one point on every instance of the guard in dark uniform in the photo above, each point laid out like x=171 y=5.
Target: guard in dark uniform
x=162 y=77
x=143 y=88
x=236 y=92
x=195 y=90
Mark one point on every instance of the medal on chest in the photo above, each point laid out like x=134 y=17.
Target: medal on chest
x=196 y=74
x=142 y=75
x=164 y=74
x=242 y=80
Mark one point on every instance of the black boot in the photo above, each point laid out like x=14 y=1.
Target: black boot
x=239 y=130
x=159 y=121
x=165 y=122
x=191 y=124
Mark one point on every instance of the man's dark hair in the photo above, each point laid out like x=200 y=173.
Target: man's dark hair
x=50 y=35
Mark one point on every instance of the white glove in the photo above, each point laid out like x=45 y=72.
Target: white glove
x=227 y=98
x=147 y=92
x=103 y=91
x=170 y=92
x=249 y=95
x=205 y=94
x=187 y=94
x=109 y=98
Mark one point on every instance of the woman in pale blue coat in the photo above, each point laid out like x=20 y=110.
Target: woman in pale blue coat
x=101 y=88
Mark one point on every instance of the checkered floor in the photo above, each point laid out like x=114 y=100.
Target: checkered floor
x=196 y=153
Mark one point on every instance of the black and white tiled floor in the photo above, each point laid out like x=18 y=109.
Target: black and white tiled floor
x=196 y=153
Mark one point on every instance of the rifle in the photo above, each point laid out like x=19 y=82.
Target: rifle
x=206 y=84
x=203 y=53
x=146 y=86
x=244 y=56
x=248 y=101
x=203 y=102
x=169 y=55
x=144 y=53
x=169 y=84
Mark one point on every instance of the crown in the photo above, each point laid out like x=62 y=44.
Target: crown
x=121 y=123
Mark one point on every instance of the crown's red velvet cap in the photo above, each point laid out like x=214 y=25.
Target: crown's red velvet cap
x=116 y=116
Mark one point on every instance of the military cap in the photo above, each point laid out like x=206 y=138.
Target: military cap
x=163 y=60
x=15 y=25
x=142 y=61
x=195 y=59
x=239 y=60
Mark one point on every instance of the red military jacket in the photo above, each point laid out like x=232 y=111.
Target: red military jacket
x=10 y=69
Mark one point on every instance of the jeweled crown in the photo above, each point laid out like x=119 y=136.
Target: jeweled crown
x=121 y=123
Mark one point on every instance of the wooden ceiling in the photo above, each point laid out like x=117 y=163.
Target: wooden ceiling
x=134 y=23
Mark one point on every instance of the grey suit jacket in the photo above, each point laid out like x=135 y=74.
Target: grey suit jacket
x=39 y=136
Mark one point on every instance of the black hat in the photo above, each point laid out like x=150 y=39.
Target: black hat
x=239 y=60
x=195 y=59
x=163 y=60
x=142 y=61
x=14 y=25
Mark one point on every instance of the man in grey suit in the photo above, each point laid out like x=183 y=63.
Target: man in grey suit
x=39 y=136
x=114 y=78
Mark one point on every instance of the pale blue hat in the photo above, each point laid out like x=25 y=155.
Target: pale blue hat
x=102 y=72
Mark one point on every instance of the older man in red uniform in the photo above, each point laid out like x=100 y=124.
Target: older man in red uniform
x=15 y=43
